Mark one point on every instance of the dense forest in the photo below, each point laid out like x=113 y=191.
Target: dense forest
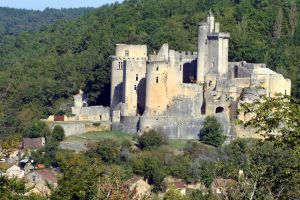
x=16 y=21
x=40 y=71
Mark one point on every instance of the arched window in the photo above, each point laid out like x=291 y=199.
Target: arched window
x=219 y=109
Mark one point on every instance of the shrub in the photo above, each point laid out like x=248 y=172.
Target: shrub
x=151 y=139
x=107 y=149
x=37 y=129
x=126 y=144
x=212 y=132
x=58 y=133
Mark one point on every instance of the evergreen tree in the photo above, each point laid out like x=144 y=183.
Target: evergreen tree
x=212 y=132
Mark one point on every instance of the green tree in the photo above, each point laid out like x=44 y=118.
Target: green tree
x=58 y=133
x=151 y=139
x=107 y=149
x=14 y=189
x=279 y=114
x=174 y=194
x=47 y=154
x=150 y=164
x=80 y=178
x=37 y=129
x=212 y=132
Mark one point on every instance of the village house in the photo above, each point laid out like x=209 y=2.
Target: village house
x=39 y=179
x=14 y=171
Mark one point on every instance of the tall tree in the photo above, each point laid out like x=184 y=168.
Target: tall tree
x=278 y=24
x=293 y=16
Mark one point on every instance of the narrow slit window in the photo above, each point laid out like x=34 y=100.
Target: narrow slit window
x=136 y=77
x=156 y=79
x=120 y=65
x=180 y=67
x=156 y=68
x=134 y=87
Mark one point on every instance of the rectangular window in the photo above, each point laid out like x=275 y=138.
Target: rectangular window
x=136 y=77
x=180 y=67
x=126 y=53
x=156 y=68
x=120 y=65
x=156 y=79
x=134 y=87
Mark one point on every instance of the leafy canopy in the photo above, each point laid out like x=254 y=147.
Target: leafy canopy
x=212 y=132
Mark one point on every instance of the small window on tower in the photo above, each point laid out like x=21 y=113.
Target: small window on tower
x=180 y=67
x=156 y=68
x=134 y=87
x=126 y=53
x=156 y=79
x=120 y=65
x=136 y=77
x=205 y=41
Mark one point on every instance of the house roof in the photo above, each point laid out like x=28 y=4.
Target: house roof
x=48 y=175
x=179 y=184
x=40 y=166
x=32 y=143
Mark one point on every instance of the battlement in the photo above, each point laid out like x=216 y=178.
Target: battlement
x=188 y=55
x=120 y=58
x=216 y=35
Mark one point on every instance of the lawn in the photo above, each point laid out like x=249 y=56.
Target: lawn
x=90 y=137
x=96 y=136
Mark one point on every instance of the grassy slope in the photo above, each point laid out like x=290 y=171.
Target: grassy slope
x=117 y=136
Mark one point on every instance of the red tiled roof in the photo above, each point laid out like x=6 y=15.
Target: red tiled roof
x=179 y=184
x=47 y=175
x=40 y=166
x=32 y=143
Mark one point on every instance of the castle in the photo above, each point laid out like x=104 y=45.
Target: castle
x=173 y=92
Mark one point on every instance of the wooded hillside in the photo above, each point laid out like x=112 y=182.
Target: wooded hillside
x=15 y=21
x=40 y=71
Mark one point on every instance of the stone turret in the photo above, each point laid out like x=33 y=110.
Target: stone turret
x=212 y=49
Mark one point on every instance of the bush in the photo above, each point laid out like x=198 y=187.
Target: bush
x=37 y=129
x=212 y=132
x=58 y=133
x=151 y=139
x=107 y=149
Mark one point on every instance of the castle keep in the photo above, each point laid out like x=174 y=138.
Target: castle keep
x=173 y=92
